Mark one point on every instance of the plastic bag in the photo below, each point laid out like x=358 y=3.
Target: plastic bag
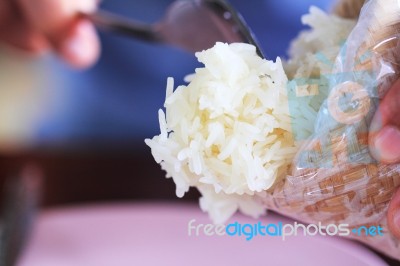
x=334 y=178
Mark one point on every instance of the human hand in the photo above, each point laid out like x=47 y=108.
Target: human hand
x=385 y=145
x=42 y=25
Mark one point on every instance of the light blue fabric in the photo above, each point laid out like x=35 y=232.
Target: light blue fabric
x=118 y=98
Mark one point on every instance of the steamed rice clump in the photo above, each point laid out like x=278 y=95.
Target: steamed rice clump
x=314 y=51
x=229 y=131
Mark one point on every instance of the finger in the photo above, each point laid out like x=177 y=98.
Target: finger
x=20 y=36
x=384 y=137
x=81 y=47
x=4 y=12
x=14 y=30
x=393 y=215
x=51 y=17
x=73 y=38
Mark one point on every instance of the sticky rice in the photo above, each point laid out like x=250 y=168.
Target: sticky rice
x=229 y=131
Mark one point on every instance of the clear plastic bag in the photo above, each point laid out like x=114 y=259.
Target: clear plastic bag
x=334 y=179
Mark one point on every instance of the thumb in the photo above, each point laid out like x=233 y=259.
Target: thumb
x=384 y=136
x=393 y=215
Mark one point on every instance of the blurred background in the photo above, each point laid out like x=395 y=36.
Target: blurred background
x=86 y=129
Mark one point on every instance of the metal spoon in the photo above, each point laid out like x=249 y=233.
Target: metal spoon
x=193 y=25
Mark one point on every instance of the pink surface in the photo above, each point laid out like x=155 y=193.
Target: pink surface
x=157 y=234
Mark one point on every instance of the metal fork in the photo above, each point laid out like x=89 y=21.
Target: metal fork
x=193 y=25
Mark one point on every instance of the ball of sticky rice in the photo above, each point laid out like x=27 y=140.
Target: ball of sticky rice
x=228 y=132
x=229 y=128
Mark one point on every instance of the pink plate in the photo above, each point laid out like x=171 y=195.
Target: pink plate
x=157 y=234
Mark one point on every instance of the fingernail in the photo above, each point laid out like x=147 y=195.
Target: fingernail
x=387 y=144
x=81 y=48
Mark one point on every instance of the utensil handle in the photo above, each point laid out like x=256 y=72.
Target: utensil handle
x=118 y=24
